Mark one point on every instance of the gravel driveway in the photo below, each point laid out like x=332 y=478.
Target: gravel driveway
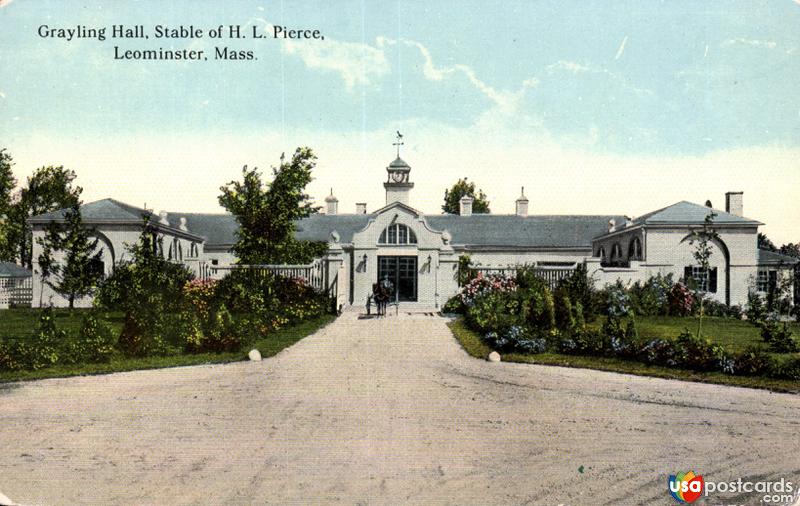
x=384 y=412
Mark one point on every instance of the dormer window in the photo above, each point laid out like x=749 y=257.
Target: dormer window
x=397 y=233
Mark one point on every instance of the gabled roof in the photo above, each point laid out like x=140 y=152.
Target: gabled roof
x=688 y=213
x=9 y=270
x=766 y=257
x=538 y=231
x=216 y=228
x=106 y=210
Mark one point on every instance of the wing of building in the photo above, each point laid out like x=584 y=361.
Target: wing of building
x=419 y=253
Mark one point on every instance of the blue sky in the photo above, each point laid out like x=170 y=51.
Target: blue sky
x=575 y=94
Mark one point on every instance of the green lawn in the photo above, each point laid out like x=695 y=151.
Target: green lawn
x=20 y=323
x=474 y=345
x=734 y=335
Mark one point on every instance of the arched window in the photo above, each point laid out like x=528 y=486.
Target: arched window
x=635 y=249
x=397 y=233
x=602 y=254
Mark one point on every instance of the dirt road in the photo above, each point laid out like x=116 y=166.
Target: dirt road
x=384 y=412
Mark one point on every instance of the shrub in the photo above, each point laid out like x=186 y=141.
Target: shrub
x=755 y=307
x=651 y=297
x=481 y=285
x=200 y=294
x=453 y=305
x=697 y=353
x=754 y=361
x=787 y=369
x=777 y=336
x=712 y=307
x=564 y=314
x=222 y=333
x=540 y=308
x=580 y=288
x=681 y=300
x=493 y=312
x=625 y=343
x=659 y=352
x=618 y=302
x=96 y=340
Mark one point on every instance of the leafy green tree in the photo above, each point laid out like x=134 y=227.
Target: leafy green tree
x=765 y=243
x=7 y=185
x=452 y=198
x=79 y=272
x=149 y=290
x=48 y=189
x=267 y=213
x=703 y=240
x=792 y=250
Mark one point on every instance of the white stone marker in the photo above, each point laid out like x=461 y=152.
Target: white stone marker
x=494 y=357
x=254 y=355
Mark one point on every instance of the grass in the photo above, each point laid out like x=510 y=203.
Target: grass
x=269 y=346
x=21 y=323
x=734 y=335
x=476 y=347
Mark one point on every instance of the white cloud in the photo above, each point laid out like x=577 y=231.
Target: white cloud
x=356 y=63
x=4 y=3
x=621 y=48
x=767 y=44
x=2 y=95
x=506 y=100
x=569 y=66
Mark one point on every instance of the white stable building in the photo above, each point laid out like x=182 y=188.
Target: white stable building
x=419 y=253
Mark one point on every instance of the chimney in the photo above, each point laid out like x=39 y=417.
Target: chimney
x=733 y=203
x=465 y=208
x=361 y=208
x=522 y=204
x=331 y=204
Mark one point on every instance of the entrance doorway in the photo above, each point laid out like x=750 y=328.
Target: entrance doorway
x=402 y=272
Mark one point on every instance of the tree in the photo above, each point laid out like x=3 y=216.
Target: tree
x=79 y=272
x=703 y=241
x=149 y=290
x=765 y=243
x=267 y=213
x=452 y=198
x=48 y=189
x=792 y=250
x=7 y=185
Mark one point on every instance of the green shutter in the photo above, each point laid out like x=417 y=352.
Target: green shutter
x=712 y=280
x=687 y=274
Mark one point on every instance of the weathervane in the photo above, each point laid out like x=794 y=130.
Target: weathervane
x=398 y=143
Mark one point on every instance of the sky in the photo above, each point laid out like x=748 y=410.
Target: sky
x=595 y=107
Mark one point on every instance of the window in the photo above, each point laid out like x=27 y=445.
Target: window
x=696 y=277
x=602 y=254
x=635 y=249
x=97 y=268
x=767 y=280
x=397 y=233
